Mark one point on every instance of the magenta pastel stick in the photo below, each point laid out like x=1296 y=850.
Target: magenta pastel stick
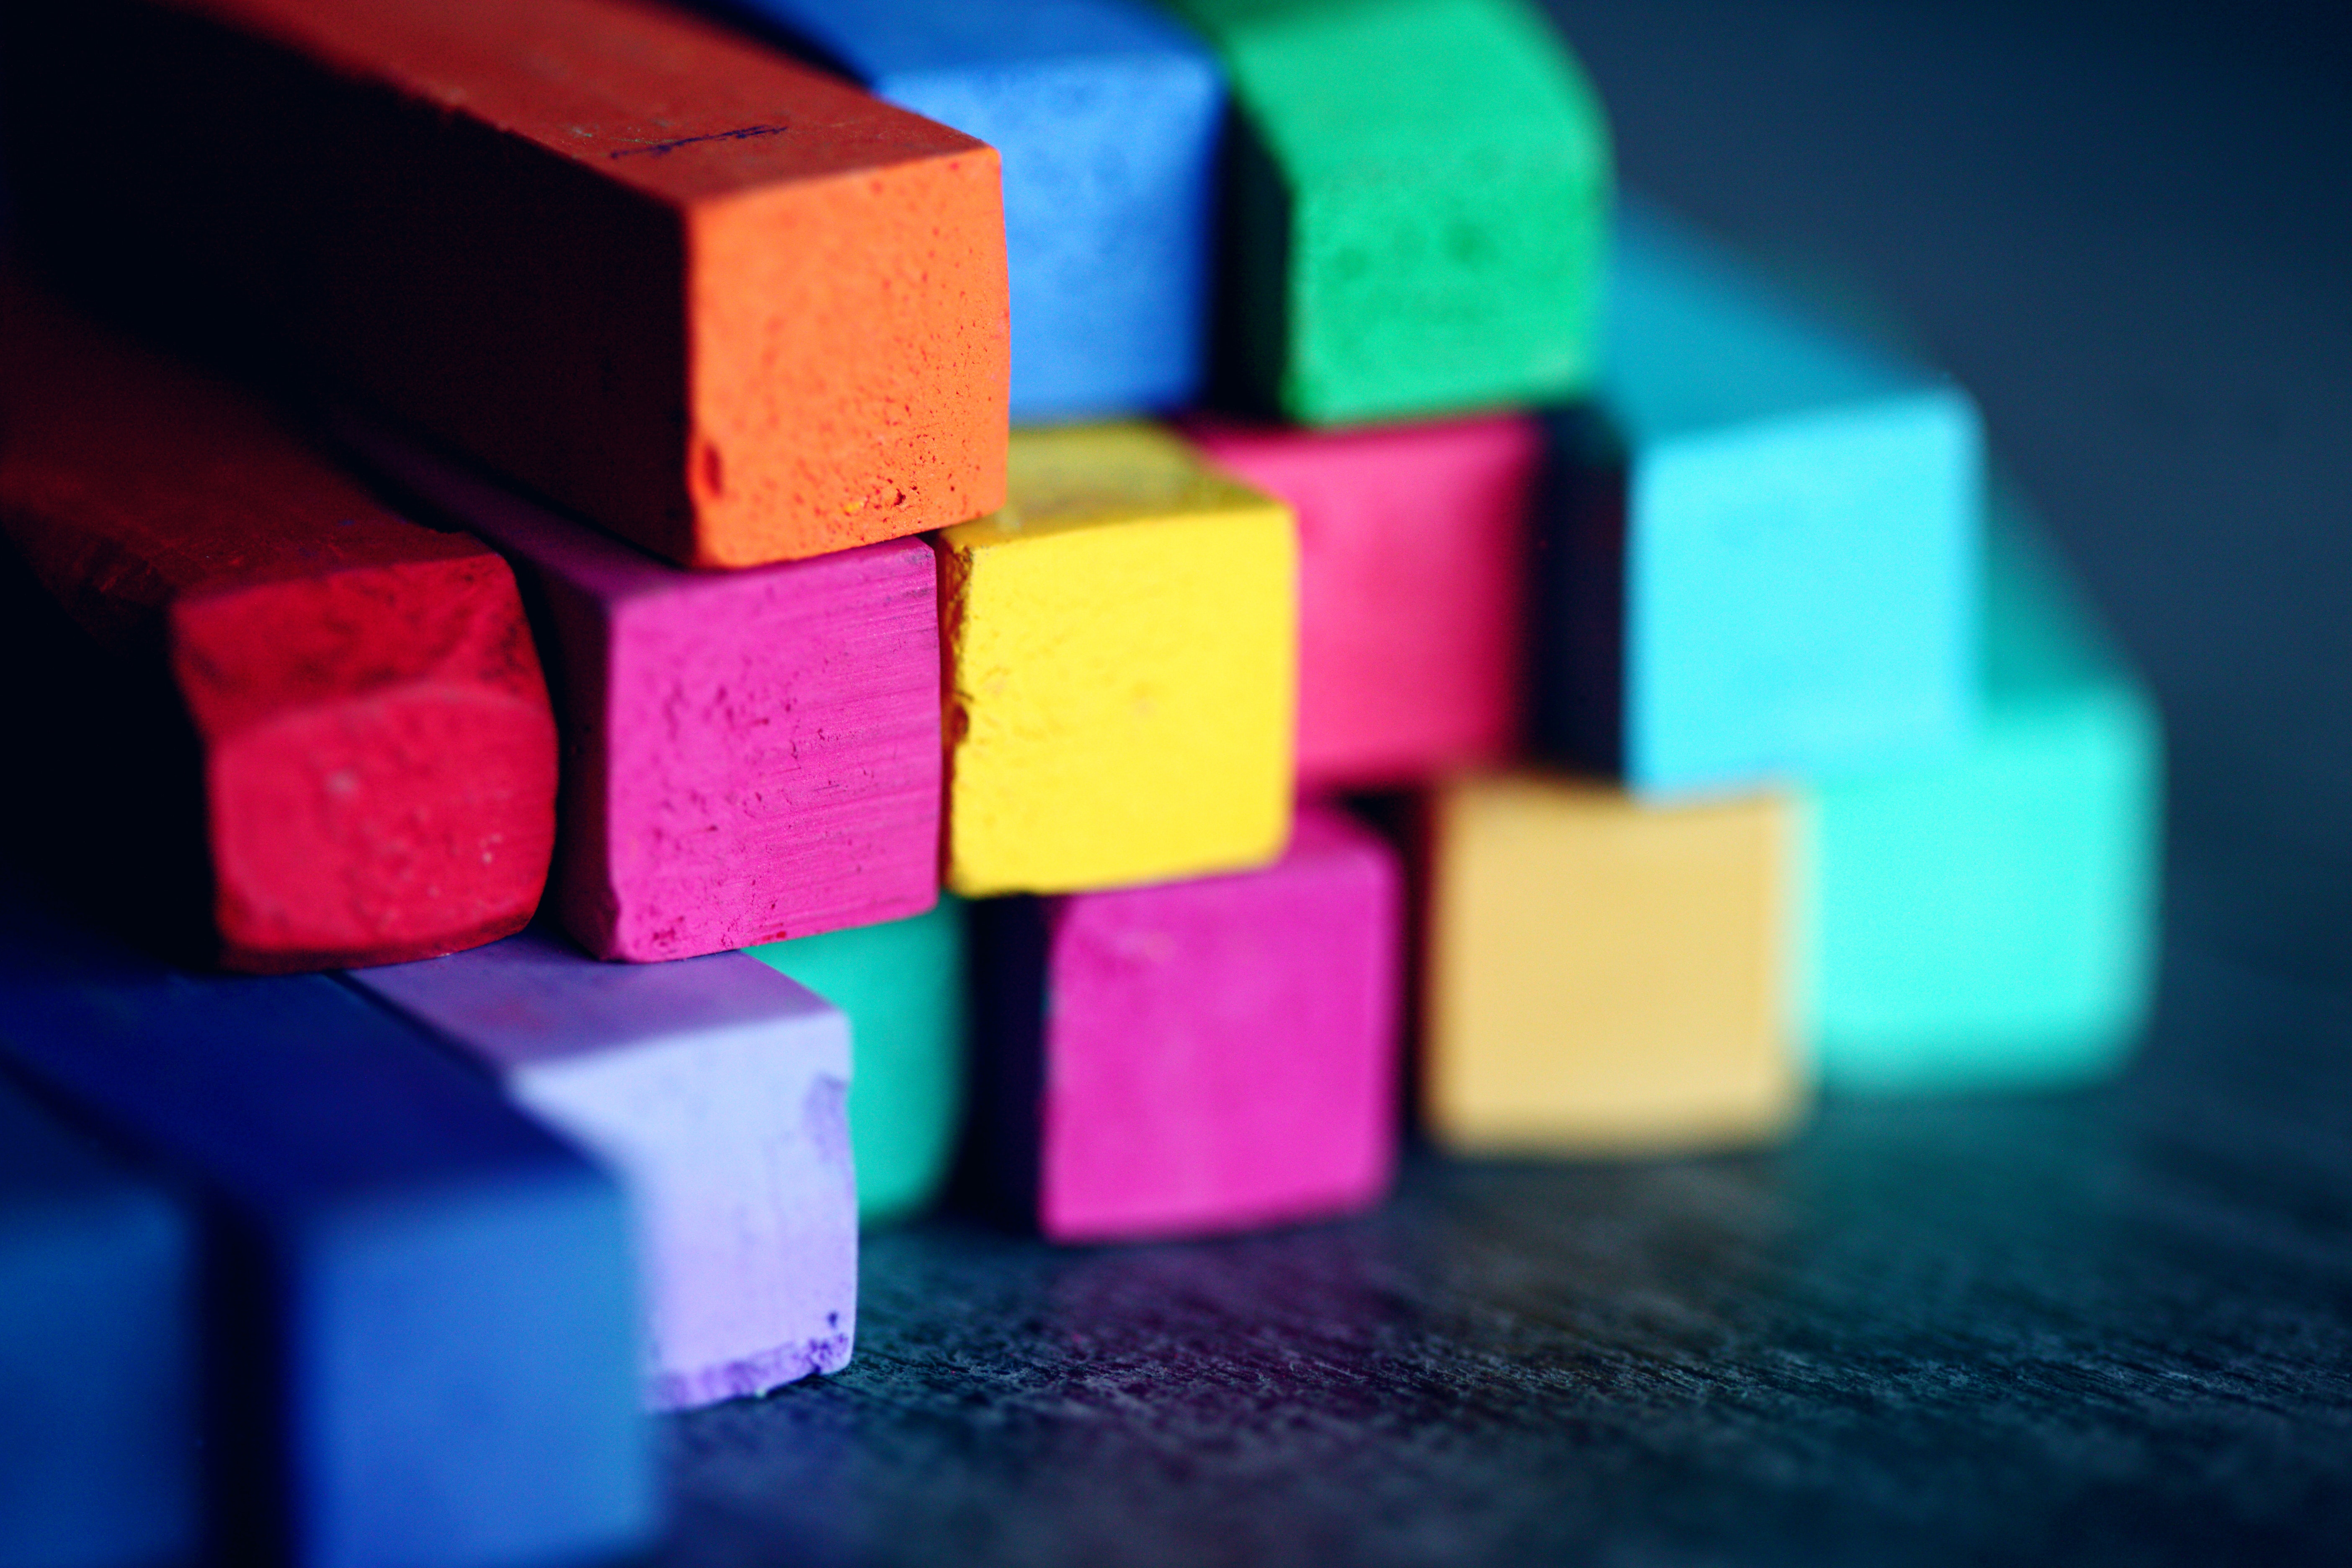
x=747 y=756
x=1412 y=544
x=1194 y=1056
x=717 y=1089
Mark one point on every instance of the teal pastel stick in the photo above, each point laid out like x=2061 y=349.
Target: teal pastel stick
x=1990 y=923
x=902 y=985
x=1759 y=550
x=100 y=1450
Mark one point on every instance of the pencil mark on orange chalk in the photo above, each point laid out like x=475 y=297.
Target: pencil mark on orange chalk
x=658 y=149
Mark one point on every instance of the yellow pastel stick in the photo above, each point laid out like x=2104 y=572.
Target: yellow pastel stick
x=1121 y=643
x=1605 y=976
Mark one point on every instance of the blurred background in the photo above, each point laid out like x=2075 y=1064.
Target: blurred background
x=2125 y=228
x=2106 y=1327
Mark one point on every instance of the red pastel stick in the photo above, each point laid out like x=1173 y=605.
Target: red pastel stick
x=376 y=749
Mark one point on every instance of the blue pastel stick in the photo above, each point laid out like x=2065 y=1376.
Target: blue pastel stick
x=1759 y=556
x=1106 y=116
x=718 y=1090
x=99 y=1441
x=422 y=1339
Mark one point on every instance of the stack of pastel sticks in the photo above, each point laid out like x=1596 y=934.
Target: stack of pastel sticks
x=576 y=566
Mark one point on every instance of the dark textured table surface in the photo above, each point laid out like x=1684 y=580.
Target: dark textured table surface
x=2112 y=1326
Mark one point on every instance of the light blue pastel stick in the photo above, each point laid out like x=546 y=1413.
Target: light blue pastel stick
x=100 y=1446
x=1762 y=555
x=1106 y=117
x=1990 y=921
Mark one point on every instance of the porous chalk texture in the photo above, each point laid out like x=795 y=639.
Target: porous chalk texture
x=1121 y=647
x=749 y=755
x=1417 y=211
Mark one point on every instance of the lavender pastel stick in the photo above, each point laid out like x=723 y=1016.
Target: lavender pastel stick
x=717 y=1089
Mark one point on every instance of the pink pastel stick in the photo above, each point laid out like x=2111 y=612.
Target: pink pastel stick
x=1413 y=548
x=747 y=756
x=1213 y=1055
x=715 y=1089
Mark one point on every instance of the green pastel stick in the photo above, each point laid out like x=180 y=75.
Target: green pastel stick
x=1417 y=207
x=1990 y=923
x=901 y=984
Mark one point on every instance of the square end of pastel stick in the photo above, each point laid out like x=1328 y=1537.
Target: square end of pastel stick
x=1120 y=648
x=407 y=813
x=1608 y=976
x=881 y=415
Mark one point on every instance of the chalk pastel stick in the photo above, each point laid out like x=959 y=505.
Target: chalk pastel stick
x=1760 y=558
x=1608 y=977
x=1194 y=1056
x=1990 y=923
x=99 y=1440
x=1120 y=646
x=1106 y=116
x=902 y=985
x=750 y=756
x=715 y=1086
x=1412 y=549
x=421 y=1343
x=1416 y=211
x=362 y=758
x=729 y=307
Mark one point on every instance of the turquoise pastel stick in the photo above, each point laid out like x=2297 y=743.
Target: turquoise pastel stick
x=1991 y=921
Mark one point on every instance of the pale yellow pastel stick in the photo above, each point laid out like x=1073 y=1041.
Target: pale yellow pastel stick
x=1121 y=647
x=1609 y=977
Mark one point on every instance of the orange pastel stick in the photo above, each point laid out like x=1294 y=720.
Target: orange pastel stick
x=729 y=307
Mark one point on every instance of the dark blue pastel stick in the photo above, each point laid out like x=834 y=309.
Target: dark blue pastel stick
x=1107 y=115
x=420 y=1344
x=98 y=1450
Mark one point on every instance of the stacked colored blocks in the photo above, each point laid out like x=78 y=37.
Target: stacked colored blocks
x=633 y=299
x=1120 y=646
x=716 y=1087
x=1759 y=557
x=1193 y=1057
x=369 y=1204
x=374 y=769
x=1990 y=921
x=727 y=307
x=1416 y=211
x=99 y=1440
x=1108 y=119
x=749 y=755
